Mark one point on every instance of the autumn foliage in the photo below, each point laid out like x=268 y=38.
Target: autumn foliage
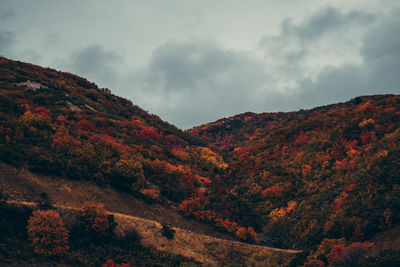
x=111 y=263
x=94 y=217
x=48 y=234
x=150 y=133
x=295 y=178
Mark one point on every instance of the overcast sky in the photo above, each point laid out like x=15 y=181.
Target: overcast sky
x=192 y=62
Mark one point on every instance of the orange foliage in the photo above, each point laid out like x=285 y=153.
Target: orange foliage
x=277 y=190
x=151 y=193
x=180 y=154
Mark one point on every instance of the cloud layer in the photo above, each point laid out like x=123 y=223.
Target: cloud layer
x=195 y=81
x=377 y=73
x=329 y=57
x=213 y=60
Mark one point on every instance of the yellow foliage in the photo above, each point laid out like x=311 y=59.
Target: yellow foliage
x=33 y=119
x=366 y=122
x=211 y=157
x=130 y=167
x=276 y=214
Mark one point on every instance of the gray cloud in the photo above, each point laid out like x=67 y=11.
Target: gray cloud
x=194 y=82
x=6 y=13
x=7 y=37
x=95 y=63
x=377 y=73
x=6 y=40
x=328 y=37
x=324 y=22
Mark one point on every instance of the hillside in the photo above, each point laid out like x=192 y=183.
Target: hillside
x=301 y=177
x=99 y=147
x=192 y=239
x=60 y=124
x=325 y=180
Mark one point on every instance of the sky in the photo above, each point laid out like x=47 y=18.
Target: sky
x=192 y=62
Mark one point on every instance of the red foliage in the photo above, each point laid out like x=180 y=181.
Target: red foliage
x=365 y=107
x=351 y=255
x=357 y=234
x=277 y=190
x=252 y=235
x=366 y=137
x=150 y=133
x=194 y=207
x=95 y=217
x=191 y=205
x=339 y=201
x=243 y=151
x=389 y=110
x=301 y=139
x=85 y=125
x=111 y=263
x=61 y=118
x=47 y=232
x=351 y=187
x=42 y=111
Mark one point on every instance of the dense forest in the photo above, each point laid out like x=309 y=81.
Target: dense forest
x=324 y=180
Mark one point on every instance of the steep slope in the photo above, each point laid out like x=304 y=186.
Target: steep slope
x=60 y=124
x=301 y=177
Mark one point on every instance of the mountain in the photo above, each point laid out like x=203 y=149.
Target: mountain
x=320 y=186
x=303 y=177
x=60 y=124
x=62 y=127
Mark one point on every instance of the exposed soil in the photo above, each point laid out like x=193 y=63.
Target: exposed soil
x=23 y=185
x=192 y=239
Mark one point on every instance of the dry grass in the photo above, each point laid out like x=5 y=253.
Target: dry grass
x=192 y=239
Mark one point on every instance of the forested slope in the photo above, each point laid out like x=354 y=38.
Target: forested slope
x=302 y=177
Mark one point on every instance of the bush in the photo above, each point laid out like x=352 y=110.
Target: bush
x=167 y=232
x=94 y=218
x=47 y=232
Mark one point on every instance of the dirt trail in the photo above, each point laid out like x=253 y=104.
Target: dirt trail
x=203 y=248
x=192 y=238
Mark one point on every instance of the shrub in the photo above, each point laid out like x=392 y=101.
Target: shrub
x=352 y=255
x=94 y=218
x=47 y=232
x=111 y=263
x=167 y=232
x=150 y=133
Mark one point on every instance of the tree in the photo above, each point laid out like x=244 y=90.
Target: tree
x=48 y=234
x=94 y=218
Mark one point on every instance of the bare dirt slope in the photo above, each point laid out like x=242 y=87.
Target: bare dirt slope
x=192 y=239
x=23 y=185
